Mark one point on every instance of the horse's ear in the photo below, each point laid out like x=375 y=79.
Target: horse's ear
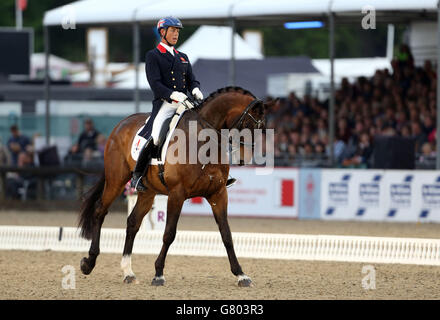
x=270 y=103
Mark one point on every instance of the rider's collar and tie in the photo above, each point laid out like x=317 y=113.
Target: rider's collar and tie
x=168 y=48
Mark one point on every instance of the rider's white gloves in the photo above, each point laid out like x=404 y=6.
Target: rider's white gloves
x=197 y=94
x=178 y=96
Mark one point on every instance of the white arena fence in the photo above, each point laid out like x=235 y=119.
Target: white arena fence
x=247 y=245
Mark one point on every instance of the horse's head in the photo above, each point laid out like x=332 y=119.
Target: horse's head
x=240 y=112
x=252 y=117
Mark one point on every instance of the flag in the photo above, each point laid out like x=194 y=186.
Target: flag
x=22 y=4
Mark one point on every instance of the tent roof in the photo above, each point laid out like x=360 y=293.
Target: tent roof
x=219 y=11
x=213 y=42
x=85 y=12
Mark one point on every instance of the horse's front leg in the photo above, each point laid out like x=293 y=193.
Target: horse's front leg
x=219 y=205
x=174 y=207
x=134 y=221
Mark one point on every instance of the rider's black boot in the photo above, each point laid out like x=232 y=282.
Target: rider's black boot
x=142 y=165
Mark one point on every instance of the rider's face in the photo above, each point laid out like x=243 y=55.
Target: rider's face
x=172 y=35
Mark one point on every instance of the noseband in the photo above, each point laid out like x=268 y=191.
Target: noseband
x=239 y=122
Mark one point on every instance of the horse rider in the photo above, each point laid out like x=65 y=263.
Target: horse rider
x=170 y=76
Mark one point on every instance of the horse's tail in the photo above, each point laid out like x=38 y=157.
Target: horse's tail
x=91 y=200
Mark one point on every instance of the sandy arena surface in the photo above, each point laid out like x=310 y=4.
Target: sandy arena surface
x=209 y=278
x=38 y=275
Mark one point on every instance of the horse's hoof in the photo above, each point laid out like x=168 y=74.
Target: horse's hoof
x=130 y=279
x=158 y=281
x=244 y=282
x=86 y=267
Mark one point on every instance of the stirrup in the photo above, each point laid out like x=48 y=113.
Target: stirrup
x=140 y=186
x=136 y=182
x=230 y=182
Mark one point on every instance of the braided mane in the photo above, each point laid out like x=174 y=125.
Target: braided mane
x=220 y=91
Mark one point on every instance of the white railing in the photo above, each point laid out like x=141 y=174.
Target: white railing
x=247 y=245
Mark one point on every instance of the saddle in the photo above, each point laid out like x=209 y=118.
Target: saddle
x=145 y=132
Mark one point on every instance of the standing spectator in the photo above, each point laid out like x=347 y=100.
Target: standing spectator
x=17 y=143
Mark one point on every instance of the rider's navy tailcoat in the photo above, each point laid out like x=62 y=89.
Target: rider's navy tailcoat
x=167 y=73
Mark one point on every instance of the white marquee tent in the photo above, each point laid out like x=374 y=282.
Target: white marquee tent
x=213 y=42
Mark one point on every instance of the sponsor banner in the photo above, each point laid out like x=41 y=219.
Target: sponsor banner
x=352 y=194
x=253 y=195
x=309 y=193
x=412 y=196
x=380 y=195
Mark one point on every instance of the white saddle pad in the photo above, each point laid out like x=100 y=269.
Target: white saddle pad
x=139 y=142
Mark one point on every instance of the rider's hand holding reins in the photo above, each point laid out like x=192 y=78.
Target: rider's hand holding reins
x=197 y=94
x=178 y=96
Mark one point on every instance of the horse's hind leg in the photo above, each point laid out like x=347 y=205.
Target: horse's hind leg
x=174 y=207
x=115 y=181
x=219 y=205
x=134 y=221
x=109 y=195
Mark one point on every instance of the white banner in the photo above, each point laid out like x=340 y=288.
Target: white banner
x=351 y=194
x=271 y=195
x=380 y=195
x=413 y=196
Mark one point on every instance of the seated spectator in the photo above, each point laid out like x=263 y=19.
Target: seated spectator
x=5 y=156
x=16 y=183
x=101 y=142
x=363 y=154
x=419 y=137
x=17 y=143
x=428 y=154
x=87 y=140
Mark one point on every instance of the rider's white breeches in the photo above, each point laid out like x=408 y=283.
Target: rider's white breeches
x=166 y=111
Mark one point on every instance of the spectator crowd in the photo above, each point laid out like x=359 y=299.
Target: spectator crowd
x=400 y=102
x=19 y=152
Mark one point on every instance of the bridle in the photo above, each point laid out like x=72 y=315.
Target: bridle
x=238 y=122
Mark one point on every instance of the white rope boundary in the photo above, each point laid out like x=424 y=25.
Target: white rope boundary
x=247 y=245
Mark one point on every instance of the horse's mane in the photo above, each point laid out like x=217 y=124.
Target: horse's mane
x=220 y=91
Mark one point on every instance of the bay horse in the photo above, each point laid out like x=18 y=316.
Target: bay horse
x=224 y=109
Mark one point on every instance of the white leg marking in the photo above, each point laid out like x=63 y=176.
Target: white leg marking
x=126 y=266
x=243 y=277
